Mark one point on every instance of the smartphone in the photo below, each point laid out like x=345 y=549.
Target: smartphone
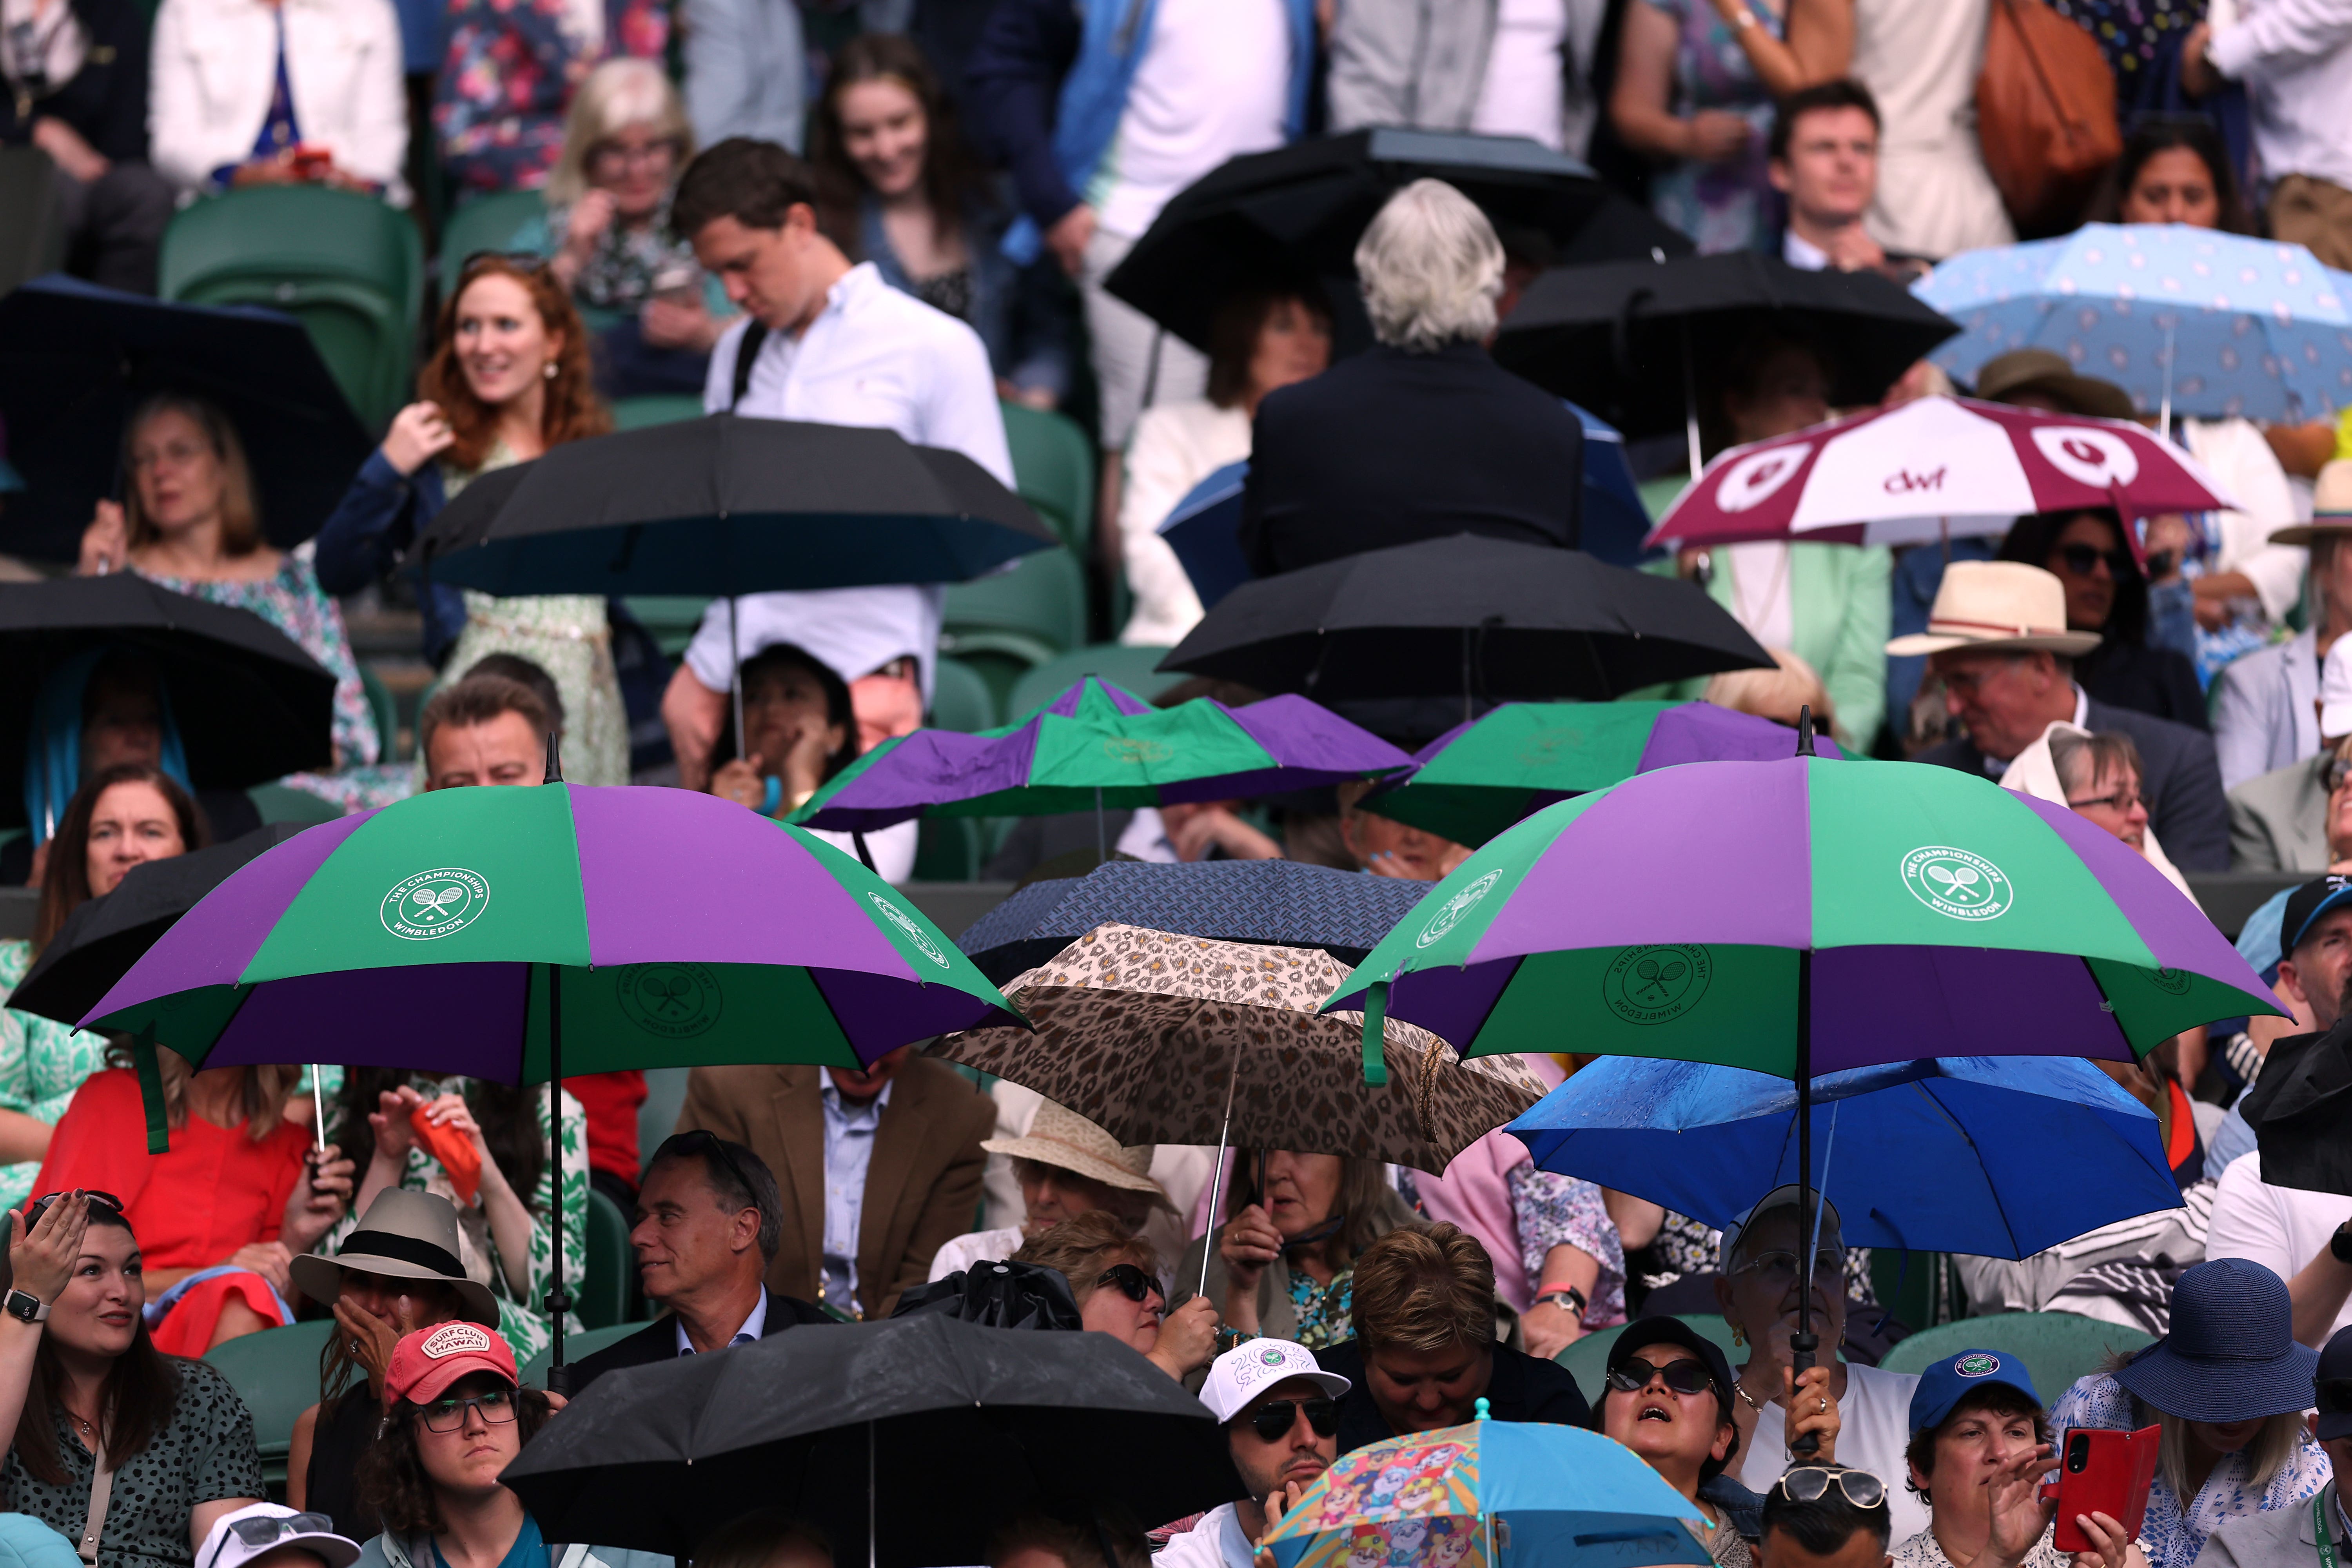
x=311 y=162
x=2102 y=1472
x=680 y=284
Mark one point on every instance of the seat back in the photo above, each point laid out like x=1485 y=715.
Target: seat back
x=655 y=408
x=31 y=217
x=1053 y=470
x=577 y=1348
x=657 y=1117
x=1008 y=623
x=961 y=699
x=1115 y=662
x=1587 y=1358
x=605 y=1289
x=2057 y=1348
x=275 y=1372
x=486 y=223
x=284 y=803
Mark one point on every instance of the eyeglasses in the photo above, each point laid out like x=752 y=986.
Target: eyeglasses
x=2122 y=801
x=1686 y=1376
x=1778 y=1268
x=261 y=1528
x=1807 y=1483
x=1273 y=1420
x=1129 y=1282
x=497 y=1407
x=2081 y=560
x=619 y=155
x=40 y=1206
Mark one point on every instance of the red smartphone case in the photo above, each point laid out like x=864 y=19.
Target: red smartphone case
x=2102 y=1472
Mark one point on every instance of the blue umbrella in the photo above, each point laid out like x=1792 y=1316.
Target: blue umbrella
x=1998 y=1156
x=1281 y=902
x=1202 y=528
x=2188 y=321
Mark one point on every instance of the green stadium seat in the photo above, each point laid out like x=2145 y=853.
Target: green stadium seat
x=671 y=617
x=386 y=710
x=1115 y=662
x=1010 y=622
x=1053 y=470
x=950 y=850
x=2057 y=1348
x=605 y=1289
x=655 y=408
x=961 y=699
x=349 y=267
x=283 y=802
x=275 y=1372
x=486 y=223
x=657 y=1117
x=1587 y=1358
x=576 y=1347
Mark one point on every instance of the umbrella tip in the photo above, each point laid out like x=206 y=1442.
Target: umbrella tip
x=1482 y=1408
x=1804 y=731
x=554 y=761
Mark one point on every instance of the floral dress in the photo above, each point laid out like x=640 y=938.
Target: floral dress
x=1729 y=205
x=1323 y=1309
x=507 y=75
x=42 y=1062
x=1552 y=1209
x=520 y=1319
x=619 y=273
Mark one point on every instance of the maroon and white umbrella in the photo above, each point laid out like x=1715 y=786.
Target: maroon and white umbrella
x=1935 y=467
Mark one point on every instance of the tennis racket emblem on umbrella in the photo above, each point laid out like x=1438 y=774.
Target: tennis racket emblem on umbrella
x=1957 y=883
x=1963 y=884
x=1654 y=981
x=436 y=904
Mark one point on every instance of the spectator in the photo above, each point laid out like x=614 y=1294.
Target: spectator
x=1281 y=1417
x=1067 y=1166
x=2228 y=1384
x=2297 y=64
x=1687 y=99
x=2277 y=1534
x=188 y=523
x=1425 y=1352
x=1284 y=1264
x=483 y=729
x=1425 y=435
x=398 y=1272
x=258 y=92
x=1527 y=69
x=510 y=379
x=1824 y=160
x=2174 y=168
x=747 y=73
x=2099 y=777
x=1083 y=1538
x=2006 y=689
x=814 y=328
x=2286 y=820
x=803 y=730
x=77 y=81
x=1103 y=115
x=1387 y=847
x=889 y=1158
x=2266 y=705
x=1780 y=694
x=710 y=1221
x=269 y=1536
x=1261 y=340
x=507 y=71
x=1668 y=1398
x=1825 y=1516
x=900 y=189
x=87 y=1380
x=1920 y=60
x=766 y=1538
x=2108 y=593
x=393 y=1121
x=1114 y=1276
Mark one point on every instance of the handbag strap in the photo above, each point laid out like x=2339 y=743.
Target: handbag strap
x=102 y=1485
x=755 y=336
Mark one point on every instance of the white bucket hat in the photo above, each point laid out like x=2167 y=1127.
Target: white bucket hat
x=1999 y=606
x=1062 y=1139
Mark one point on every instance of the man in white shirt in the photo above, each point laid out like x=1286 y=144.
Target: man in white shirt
x=1279 y=1412
x=833 y=344
x=2296 y=58
x=1825 y=158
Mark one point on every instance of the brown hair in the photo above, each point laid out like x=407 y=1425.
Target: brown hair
x=1085 y=1245
x=950 y=179
x=1241 y=316
x=572 y=411
x=1361 y=1205
x=391 y=1483
x=1995 y=1398
x=1131 y=1206
x=752 y=1540
x=1105 y=1538
x=756 y=184
x=240 y=517
x=1424 y=1289
x=65 y=878
x=264 y=1095
x=2081 y=760
x=141 y=1387
x=479 y=698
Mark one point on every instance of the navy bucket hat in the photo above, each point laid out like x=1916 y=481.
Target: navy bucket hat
x=2231 y=1355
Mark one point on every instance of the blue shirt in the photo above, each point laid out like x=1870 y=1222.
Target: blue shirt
x=529 y=1550
x=749 y=1334
x=849 y=1150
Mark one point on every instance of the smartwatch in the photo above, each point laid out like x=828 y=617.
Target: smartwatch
x=25 y=1307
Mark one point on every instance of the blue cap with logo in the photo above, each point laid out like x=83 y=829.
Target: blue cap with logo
x=1954 y=1378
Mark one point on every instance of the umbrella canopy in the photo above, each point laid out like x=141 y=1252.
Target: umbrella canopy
x=1703 y=1140
x=1930 y=466
x=1297 y=213
x=1625 y=339
x=1489 y=1495
x=1747 y=913
x=75 y=359
x=249 y=704
x=1096 y=746
x=1462 y=617
x=100 y=941
x=1284 y=903
x=729 y=505
x=935 y=1432
x=1478 y=778
x=2211 y=324
x=1160 y=1038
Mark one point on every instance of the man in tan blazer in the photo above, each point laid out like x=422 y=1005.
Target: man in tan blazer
x=912 y=1126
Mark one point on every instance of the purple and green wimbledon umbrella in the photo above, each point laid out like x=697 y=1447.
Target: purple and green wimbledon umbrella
x=1478 y=778
x=1099 y=745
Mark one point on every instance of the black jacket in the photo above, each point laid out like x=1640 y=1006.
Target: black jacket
x=105 y=100
x=1013 y=82
x=657 y=1341
x=1523 y=1388
x=2146 y=679
x=1388 y=448
x=2181 y=779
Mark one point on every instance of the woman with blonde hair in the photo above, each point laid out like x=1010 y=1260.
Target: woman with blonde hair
x=508 y=380
x=1114 y=1275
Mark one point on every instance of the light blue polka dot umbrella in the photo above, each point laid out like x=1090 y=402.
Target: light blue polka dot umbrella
x=2188 y=321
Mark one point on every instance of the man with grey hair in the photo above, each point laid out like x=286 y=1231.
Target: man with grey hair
x=1424 y=436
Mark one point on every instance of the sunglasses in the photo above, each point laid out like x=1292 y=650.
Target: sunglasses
x=1687 y=1376
x=261 y=1529
x=1129 y=1282
x=2336 y=1396
x=497 y=1407
x=1807 y=1483
x=2081 y=560
x=1273 y=1420
x=702 y=1140
x=2338 y=770
x=40 y=1206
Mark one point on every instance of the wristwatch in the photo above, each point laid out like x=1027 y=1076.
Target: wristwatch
x=2340 y=1242
x=1568 y=1295
x=25 y=1307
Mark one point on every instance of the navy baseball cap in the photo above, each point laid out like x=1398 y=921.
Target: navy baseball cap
x=2307 y=903
x=1954 y=1378
x=2335 y=1402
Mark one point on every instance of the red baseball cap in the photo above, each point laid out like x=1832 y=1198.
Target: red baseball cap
x=424 y=1364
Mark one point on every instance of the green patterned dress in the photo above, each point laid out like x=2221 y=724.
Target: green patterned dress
x=42 y=1062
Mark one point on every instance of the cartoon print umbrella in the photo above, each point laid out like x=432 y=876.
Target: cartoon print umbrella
x=1478 y=778
x=1491 y=1494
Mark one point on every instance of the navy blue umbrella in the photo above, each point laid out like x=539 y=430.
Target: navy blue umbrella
x=75 y=359
x=1280 y=902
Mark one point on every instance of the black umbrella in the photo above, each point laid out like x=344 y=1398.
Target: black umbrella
x=1633 y=341
x=250 y=706
x=74 y=359
x=1464 y=616
x=1297 y=213
x=935 y=1430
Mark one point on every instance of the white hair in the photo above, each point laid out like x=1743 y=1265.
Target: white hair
x=1430 y=268
x=619 y=93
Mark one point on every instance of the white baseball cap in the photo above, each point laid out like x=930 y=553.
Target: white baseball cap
x=2335 y=690
x=1249 y=1369
x=238 y=1538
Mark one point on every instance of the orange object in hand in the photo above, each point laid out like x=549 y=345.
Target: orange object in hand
x=453 y=1148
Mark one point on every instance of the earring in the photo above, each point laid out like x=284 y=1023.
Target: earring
x=1738 y=1339
x=548 y=370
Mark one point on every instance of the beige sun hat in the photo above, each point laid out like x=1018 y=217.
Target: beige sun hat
x=2000 y=606
x=404 y=1236
x=2331 y=506
x=1067 y=1142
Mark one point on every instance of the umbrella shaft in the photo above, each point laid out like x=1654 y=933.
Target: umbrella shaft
x=1217 y=1175
x=1803 y=1343
x=735 y=685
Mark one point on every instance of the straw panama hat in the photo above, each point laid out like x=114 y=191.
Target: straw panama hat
x=403 y=1236
x=1067 y=1142
x=2000 y=607
x=2331 y=506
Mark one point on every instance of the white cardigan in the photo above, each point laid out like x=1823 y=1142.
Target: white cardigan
x=214 y=65
x=1174 y=448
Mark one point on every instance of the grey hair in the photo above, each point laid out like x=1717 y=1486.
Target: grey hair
x=1430 y=268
